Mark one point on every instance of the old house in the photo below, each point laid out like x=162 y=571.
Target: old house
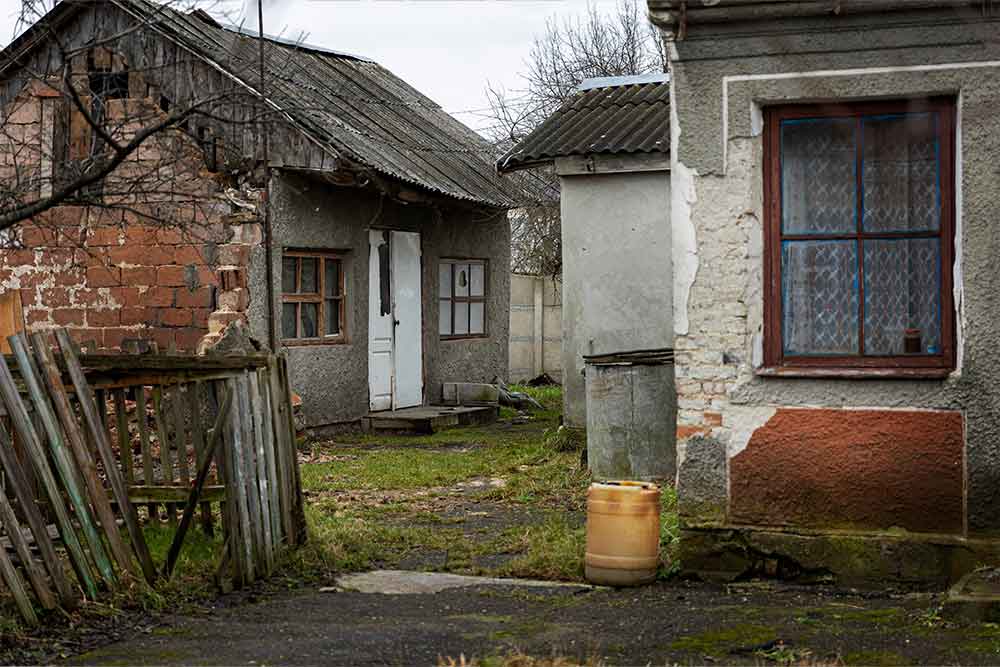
x=834 y=206
x=334 y=210
x=609 y=145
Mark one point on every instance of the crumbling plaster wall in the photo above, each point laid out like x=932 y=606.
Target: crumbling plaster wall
x=720 y=81
x=308 y=213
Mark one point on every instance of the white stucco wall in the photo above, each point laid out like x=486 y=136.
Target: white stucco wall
x=617 y=284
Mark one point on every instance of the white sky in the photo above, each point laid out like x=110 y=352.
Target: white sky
x=447 y=49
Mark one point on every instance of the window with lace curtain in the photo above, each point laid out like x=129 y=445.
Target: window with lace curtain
x=859 y=236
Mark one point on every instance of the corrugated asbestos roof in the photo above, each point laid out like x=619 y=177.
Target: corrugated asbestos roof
x=353 y=106
x=630 y=116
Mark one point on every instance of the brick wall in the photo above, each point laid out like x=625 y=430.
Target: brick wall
x=168 y=265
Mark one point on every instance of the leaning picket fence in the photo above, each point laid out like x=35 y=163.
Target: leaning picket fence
x=94 y=446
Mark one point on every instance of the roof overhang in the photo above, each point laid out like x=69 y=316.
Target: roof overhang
x=674 y=16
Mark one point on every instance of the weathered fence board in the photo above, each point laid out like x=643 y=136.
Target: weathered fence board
x=225 y=421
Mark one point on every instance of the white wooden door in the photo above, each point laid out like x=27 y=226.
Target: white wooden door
x=395 y=343
x=408 y=374
x=380 y=327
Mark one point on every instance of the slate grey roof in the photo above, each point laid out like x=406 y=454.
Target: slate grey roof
x=356 y=107
x=611 y=116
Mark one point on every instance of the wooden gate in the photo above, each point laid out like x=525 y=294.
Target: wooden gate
x=97 y=443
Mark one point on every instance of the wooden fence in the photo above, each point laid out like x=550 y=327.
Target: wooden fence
x=94 y=446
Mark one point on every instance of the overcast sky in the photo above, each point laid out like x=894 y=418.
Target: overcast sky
x=447 y=49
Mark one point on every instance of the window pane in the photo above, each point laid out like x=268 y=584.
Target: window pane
x=477 y=280
x=818 y=181
x=332 y=277
x=308 y=315
x=444 y=279
x=309 y=276
x=461 y=318
x=288 y=320
x=819 y=283
x=477 y=317
x=901 y=173
x=332 y=317
x=902 y=296
x=461 y=280
x=288 y=265
x=444 y=318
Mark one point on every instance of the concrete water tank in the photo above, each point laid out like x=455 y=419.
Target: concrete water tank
x=631 y=415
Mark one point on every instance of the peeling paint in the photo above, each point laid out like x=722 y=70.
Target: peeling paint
x=685 y=242
x=742 y=421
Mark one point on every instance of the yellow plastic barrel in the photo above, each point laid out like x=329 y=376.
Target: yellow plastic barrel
x=623 y=533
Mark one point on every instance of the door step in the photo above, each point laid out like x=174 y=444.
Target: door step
x=430 y=418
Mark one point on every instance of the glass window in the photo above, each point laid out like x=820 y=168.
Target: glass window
x=313 y=300
x=462 y=298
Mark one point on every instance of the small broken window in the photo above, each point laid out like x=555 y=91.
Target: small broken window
x=462 y=298
x=313 y=301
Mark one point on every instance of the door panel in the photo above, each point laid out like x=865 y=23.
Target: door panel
x=406 y=298
x=380 y=337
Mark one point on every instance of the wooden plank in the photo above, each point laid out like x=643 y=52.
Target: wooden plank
x=263 y=487
x=11 y=317
x=298 y=511
x=124 y=437
x=199 y=483
x=62 y=459
x=194 y=392
x=250 y=473
x=166 y=460
x=238 y=490
x=267 y=429
x=281 y=449
x=230 y=522
x=85 y=463
x=36 y=577
x=16 y=588
x=180 y=436
x=139 y=393
x=112 y=473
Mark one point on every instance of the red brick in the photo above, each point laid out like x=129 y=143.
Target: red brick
x=136 y=315
x=139 y=234
x=108 y=317
x=174 y=317
x=33 y=236
x=18 y=257
x=207 y=276
x=169 y=236
x=103 y=276
x=126 y=296
x=55 y=297
x=67 y=216
x=712 y=418
x=171 y=276
x=189 y=254
x=139 y=275
x=36 y=316
x=158 y=296
x=64 y=316
x=103 y=236
x=113 y=337
x=87 y=257
x=199 y=317
x=56 y=256
x=162 y=337
x=71 y=276
x=187 y=339
x=28 y=297
x=85 y=336
x=685 y=431
x=199 y=297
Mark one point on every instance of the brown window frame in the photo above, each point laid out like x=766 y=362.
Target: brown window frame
x=319 y=298
x=453 y=299
x=776 y=362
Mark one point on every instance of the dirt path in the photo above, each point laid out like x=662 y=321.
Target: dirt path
x=682 y=623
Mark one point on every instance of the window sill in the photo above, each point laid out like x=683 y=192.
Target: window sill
x=302 y=342
x=468 y=337
x=848 y=373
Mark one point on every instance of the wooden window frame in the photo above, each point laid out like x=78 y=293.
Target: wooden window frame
x=319 y=298
x=776 y=362
x=452 y=299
